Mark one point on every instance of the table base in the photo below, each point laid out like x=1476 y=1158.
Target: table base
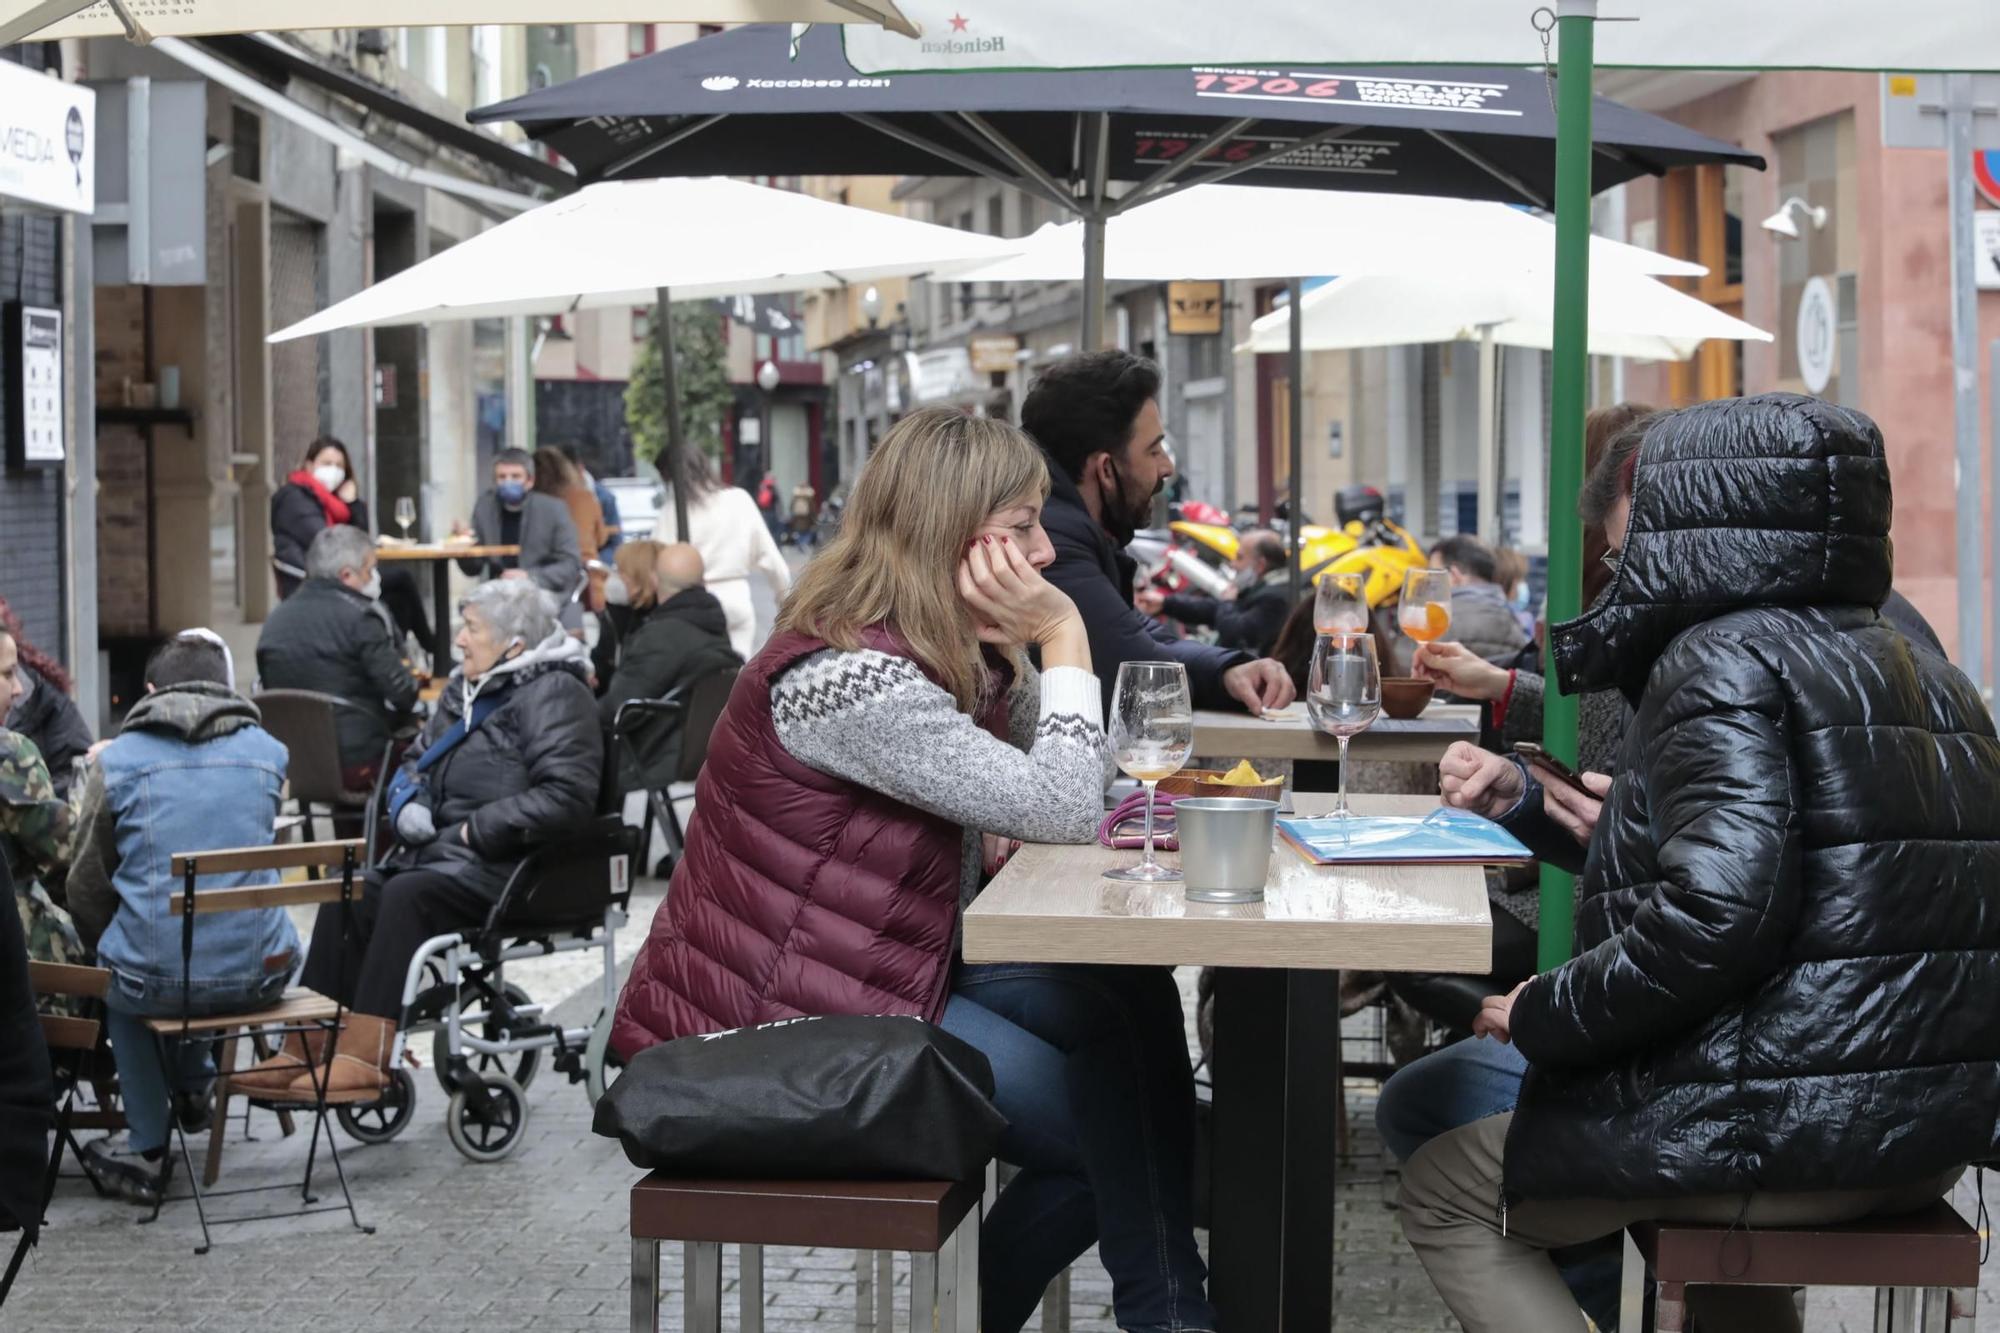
x=1277 y=1085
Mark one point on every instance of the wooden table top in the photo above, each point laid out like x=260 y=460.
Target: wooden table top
x=1290 y=735
x=1052 y=905
x=442 y=551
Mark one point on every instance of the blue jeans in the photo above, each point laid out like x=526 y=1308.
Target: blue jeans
x=1091 y=1066
x=144 y=1078
x=1467 y=1081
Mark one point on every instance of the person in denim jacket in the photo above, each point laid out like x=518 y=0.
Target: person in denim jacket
x=191 y=771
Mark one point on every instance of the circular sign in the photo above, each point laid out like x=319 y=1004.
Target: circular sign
x=1815 y=334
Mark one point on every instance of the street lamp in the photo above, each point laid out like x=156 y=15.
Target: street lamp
x=1780 y=223
x=767 y=379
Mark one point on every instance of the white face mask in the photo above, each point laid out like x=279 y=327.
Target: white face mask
x=372 y=589
x=615 y=591
x=330 y=475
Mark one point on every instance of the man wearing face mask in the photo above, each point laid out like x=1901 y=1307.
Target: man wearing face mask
x=513 y=514
x=332 y=636
x=1097 y=418
x=1251 y=617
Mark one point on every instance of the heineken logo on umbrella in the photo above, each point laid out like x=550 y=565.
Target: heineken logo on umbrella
x=962 y=40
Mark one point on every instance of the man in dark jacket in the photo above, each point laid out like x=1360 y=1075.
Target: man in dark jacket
x=682 y=637
x=333 y=636
x=1778 y=1011
x=1248 y=621
x=1097 y=417
x=512 y=514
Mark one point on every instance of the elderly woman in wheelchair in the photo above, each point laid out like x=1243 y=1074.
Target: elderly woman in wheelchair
x=513 y=758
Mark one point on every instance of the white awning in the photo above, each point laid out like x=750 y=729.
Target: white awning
x=250 y=89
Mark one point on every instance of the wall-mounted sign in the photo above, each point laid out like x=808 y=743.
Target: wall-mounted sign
x=1986 y=249
x=993 y=353
x=1194 y=307
x=35 y=383
x=48 y=140
x=1817 y=334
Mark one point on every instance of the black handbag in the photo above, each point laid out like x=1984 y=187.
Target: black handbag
x=836 y=1098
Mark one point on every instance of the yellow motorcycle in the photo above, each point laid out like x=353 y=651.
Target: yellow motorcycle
x=1365 y=543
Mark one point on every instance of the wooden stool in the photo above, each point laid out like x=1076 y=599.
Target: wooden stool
x=1926 y=1261
x=936 y=1221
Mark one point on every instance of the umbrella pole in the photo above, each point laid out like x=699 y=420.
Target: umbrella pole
x=1576 y=40
x=1295 y=399
x=1097 y=170
x=1490 y=503
x=671 y=463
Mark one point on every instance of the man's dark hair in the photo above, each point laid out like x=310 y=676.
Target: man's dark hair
x=518 y=457
x=1270 y=548
x=1468 y=553
x=1086 y=404
x=1611 y=479
x=184 y=659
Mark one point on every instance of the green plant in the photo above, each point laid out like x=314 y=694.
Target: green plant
x=700 y=377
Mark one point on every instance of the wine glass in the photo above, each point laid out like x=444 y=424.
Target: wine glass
x=1344 y=694
x=406 y=514
x=1152 y=734
x=1425 y=611
x=1339 y=605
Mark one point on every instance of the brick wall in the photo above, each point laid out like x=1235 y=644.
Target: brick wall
x=31 y=500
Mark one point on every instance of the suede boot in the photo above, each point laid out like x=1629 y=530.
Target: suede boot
x=360 y=1058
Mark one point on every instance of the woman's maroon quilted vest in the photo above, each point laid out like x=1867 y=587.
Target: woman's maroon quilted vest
x=799 y=893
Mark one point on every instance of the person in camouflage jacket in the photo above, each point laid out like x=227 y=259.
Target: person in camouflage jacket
x=35 y=835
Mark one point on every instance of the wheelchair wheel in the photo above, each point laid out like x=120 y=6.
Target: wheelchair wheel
x=380 y=1121
x=489 y=1135
x=521 y=1066
x=601 y=1064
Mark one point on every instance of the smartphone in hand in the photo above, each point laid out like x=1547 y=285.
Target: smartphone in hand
x=1542 y=760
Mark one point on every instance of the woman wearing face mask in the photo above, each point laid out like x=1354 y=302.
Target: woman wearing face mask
x=511 y=758
x=321 y=493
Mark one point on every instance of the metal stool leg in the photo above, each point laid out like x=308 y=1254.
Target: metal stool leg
x=967 y=1287
x=1055 y=1305
x=885 y=1291
x=645 y=1286
x=923 y=1291
x=948 y=1275
x=1670 y=1308
x=750 y=1287
x=864 y=1291
x=702 y=1300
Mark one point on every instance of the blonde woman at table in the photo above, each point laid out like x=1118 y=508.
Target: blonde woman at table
x=735 y=544
x=866 y=778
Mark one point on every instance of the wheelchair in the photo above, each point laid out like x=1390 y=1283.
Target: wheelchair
x=488 y=1037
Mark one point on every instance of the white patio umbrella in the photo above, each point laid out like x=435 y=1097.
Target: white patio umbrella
x=1630 y=315
x=1261 y=231
x=141 y=20
x=1686 y=34
x=626 y=243
x=618 y=243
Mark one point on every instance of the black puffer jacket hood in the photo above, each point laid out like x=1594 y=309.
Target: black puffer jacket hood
x=1789 y=935
x=1779 y=500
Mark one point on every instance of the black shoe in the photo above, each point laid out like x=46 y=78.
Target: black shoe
x=191 y=1110
x=130 y=1178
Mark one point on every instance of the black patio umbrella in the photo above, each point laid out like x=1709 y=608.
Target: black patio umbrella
x=754 y=101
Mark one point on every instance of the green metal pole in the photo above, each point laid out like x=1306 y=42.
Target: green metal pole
x=1569 y=368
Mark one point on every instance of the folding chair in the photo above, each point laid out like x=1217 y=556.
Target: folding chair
x=298 y=1012
x=699 y=706
x=307 y=722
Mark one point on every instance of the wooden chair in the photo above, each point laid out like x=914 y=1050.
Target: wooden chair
x=936 y=1221
x=1926 y=1261
x=72 y=1042
x=299 y=1011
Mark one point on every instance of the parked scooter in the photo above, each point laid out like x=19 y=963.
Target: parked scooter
x=1365 y=543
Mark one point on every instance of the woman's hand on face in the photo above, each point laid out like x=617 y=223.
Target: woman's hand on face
x=1485 y=783
x=1459 y=670
x=347 y=491
x=1011 y=602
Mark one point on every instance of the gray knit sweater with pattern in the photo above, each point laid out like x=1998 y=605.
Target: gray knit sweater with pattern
x=876 y=720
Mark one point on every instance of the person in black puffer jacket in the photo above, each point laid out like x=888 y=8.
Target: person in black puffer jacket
x=1779 y=1012
x=469 y=805
x=679 y=635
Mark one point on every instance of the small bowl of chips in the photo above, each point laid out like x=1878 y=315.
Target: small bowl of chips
x=1243 y=780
